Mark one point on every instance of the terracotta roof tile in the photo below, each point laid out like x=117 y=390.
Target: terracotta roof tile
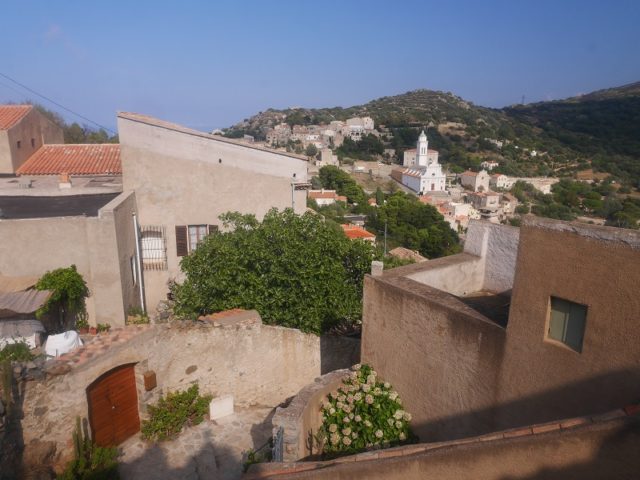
x=76 y=159
x=12 y=114
x=353 y=231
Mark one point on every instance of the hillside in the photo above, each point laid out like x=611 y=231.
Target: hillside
x=599 y=130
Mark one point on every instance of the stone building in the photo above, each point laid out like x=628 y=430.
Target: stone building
x=476 y=181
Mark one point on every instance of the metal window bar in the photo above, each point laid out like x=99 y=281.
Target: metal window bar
x=153 y=239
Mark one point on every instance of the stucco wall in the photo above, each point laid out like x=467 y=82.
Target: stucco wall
x=185 y=179
x=607 y=450
x=36 y=246
x=595 y=266
x=440 y=355
x=34 y=126
x=258 y=364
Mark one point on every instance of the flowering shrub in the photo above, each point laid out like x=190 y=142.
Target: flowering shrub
x=365 y=413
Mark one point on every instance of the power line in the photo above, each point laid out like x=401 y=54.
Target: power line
x=56 y=103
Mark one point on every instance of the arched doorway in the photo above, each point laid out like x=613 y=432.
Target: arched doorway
x=113 y=406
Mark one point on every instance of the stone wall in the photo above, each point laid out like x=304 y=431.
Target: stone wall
x=257 y=364
x=301 y=419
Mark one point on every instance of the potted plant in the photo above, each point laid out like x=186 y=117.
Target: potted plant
x=82 y=325
x=103 y=328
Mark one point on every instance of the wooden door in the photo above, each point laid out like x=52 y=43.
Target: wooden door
x=113 y=406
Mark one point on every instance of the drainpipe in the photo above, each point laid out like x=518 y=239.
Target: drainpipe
x=136 y=229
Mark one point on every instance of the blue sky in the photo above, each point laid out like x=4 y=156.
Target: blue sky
x=212 y=63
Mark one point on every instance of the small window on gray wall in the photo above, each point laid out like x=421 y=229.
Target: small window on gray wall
x=567 y=323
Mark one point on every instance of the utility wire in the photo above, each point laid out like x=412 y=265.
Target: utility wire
x=56 y=103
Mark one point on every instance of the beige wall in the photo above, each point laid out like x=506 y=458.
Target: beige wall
x=461 y=374
x=100 y=248
x=590 y=265
x=441 y=356
x=607 y=450
x=34 y=126
x=186 y=179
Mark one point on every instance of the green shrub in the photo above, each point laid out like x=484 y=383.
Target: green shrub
x=68 y=287
x=16 y=352
x=173 y=412
x=91 y=462
x=364 y=414
x=103 y=327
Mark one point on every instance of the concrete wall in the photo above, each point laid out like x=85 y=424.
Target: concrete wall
x=592 y=266
x=34 y=126
x=440 y=355
x=185 y=178
x=461 y=375
x=604 y=450
x=256 y=363
x=100 y=247
x=488 y=262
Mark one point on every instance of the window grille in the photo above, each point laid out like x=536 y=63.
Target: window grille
x=154 y=247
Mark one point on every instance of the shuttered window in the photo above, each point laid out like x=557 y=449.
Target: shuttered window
x=567 y=323
x=189 y=236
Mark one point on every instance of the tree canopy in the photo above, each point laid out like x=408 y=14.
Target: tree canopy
x=415 y=225
x=333 y=178
x=297 y=271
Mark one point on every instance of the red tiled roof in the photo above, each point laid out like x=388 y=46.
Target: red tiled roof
x=469 y=173
x=353 y=231
x=12 y=114
x=323 y=194
x=94 y=159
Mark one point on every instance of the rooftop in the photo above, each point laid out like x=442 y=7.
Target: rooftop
x=77 y=159
x=21 y=207
x=354 y=231
x=155 y=122
x=12 y=114
x=49 y=185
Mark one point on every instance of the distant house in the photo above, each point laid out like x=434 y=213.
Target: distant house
x=356 y=232
x=476 y=181
x=326 y=197
x=407 y=254
x=23 y=130
x=499 y=180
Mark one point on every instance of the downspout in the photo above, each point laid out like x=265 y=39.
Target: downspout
x=139 y=262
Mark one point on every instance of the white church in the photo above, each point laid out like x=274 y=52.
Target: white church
x=422 y=172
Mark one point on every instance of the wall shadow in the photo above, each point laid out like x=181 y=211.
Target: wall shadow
x=338 y=351
x=598 y=394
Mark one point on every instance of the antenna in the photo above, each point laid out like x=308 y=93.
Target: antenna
x=523 y=99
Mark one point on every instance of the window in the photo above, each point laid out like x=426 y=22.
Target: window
x=567 y=322
x=189 y=236
x=19 y=143
x=154 y=251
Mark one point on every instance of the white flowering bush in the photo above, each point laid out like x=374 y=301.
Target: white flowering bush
x=365 y=413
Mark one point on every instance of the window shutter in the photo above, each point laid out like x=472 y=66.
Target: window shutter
x=182 y=242
x=213 y=229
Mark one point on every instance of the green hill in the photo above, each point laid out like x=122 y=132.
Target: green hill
x=600 y=130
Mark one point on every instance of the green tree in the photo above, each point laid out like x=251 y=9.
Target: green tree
x=333 y=178
x=415 y=225
x=68 y=294
x=311 y=150
x=379 y=197
x=297 y=271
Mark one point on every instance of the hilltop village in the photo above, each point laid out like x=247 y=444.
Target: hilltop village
x=183 y=304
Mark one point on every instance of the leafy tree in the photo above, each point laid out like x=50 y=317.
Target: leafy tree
x=311 y=150
x=335 y=179
x=379 y=196
x=415 y=225
x=297 y=271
